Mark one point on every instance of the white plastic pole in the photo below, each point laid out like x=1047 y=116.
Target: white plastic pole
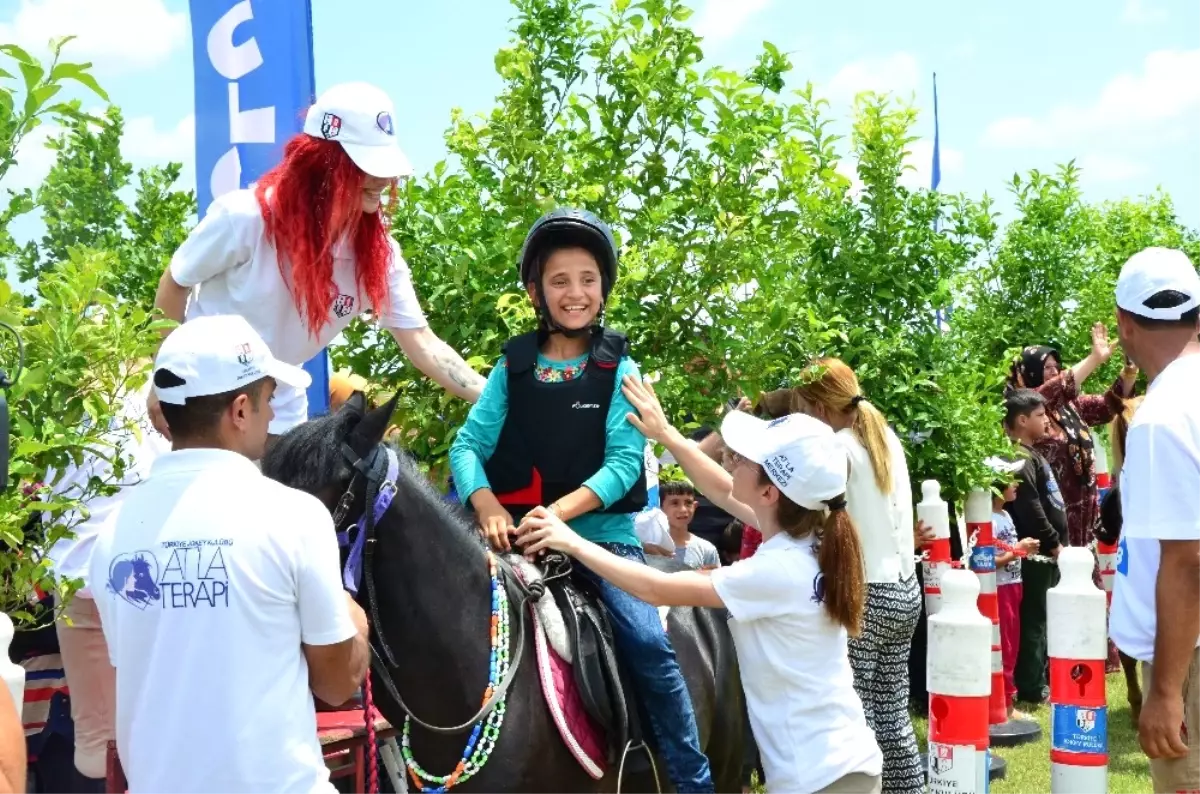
x=933 y=511
x=959 y=672
x=1075 y=611
x=983 y=563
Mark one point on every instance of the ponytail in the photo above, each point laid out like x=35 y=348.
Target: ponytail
x=1119 y=430
x=839 y=555
x=870 y=428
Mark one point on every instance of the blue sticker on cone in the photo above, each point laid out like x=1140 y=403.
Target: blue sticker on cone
x=983 y=559
x=1079 y=729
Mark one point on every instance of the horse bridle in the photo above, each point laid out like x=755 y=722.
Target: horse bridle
x=379 y=471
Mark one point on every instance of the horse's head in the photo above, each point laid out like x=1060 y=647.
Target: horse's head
x=320 y=456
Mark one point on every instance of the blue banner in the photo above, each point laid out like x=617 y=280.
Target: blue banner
x=254 y=80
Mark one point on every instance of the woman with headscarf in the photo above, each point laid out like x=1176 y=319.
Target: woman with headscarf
x=1068 y=446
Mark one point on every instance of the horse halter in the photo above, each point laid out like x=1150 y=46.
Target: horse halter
x=380 y=470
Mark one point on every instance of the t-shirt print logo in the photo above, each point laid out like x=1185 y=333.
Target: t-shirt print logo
x=581 y=405
x=133 y=578
x=343 y=305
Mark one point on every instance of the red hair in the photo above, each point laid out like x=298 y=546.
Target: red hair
x=310 y=201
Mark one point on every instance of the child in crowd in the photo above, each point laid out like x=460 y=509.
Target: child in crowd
x=679 y=504
x=1009 y=551
x=1037 y=512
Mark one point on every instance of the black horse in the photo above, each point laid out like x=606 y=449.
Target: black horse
x=432 y=601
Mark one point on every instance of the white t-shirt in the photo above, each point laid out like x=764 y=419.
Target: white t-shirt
x=1160 y=498
x=70 y=556
x=807 y=718
x=208 y=582
x=884 y=520
x=1003 y=528
x=234 y=269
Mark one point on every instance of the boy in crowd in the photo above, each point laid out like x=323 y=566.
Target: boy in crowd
x=1038 y=513
x=1008 y=572
x=679 y=504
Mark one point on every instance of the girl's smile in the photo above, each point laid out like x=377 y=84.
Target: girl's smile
x=571 y=287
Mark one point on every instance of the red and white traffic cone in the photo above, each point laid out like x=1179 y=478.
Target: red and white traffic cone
x=933 y=511
x=1075 y=610
x=959 y=672
x=1003 y=732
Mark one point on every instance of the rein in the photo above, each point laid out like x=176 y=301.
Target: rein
x=380 y=472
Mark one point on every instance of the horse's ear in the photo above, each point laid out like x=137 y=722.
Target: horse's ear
x=371 y=430
x=357 y=403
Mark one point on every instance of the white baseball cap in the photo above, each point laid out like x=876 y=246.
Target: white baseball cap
x=1003 y=465
x=359 y=117
x=800 y=454
x=214 y=355
x=1154 y=270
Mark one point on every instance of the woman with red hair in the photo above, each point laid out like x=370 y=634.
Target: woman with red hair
x=307 y=250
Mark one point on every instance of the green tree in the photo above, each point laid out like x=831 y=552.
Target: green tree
x=82 y=205
x=78 y=358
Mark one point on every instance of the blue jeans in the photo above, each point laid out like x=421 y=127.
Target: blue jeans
x=656 y=677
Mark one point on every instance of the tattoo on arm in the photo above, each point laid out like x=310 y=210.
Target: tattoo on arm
x=451 y=364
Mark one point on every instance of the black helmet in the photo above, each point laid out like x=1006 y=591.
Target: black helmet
x=564 y=227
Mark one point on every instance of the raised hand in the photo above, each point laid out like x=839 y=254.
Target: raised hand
x=650 y=418
x=1102 y=347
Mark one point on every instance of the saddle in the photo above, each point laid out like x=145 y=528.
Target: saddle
x=599 y=676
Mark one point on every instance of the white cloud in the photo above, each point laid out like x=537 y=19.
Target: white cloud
x=720 y=20
x=920 y=157
x=1149 y=103
x=115 y=34
x=1101 y=167
x=897 y=73
x=143 y=145
x=1139 y=12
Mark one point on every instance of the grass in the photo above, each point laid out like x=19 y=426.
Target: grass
x=1029 y=764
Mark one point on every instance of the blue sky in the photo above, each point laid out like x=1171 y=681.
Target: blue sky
x=1114 y=84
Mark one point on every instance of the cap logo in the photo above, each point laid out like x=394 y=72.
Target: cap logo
x=780 y=469
x=384 y=122
x=781 y=420
x=331 y=125
x=244 y=352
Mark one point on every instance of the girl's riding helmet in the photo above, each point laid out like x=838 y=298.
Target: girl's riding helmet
x=568 y=227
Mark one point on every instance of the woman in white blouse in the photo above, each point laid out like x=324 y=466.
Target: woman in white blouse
x=879 y=500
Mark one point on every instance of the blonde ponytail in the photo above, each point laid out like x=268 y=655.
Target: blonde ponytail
x=834 y=386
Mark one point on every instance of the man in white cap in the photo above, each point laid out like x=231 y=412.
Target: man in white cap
x=1156 y=595
x=219 y=589
x=307 y=250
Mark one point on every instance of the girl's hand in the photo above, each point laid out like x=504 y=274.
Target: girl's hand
x=1029 y=545
x=1129 y=374
x=650 y=418
x=922 y=535
x=495 y=523
x=541 y=529
x=1102 y=348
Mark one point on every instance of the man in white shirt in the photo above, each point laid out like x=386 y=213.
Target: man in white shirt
x=85 y=656
x=219 y=590
x=1156 y=595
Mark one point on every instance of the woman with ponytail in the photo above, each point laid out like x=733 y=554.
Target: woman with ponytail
x=307 y=250
x=792 y=605
x=879 y=500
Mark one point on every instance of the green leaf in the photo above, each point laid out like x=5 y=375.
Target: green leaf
x=13 y=51
x=33 y=74
x=86 y=79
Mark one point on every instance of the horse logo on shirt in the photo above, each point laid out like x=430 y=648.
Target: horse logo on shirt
x=343 y=305
x=134 y=578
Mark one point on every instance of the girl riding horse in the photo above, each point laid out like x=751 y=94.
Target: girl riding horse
x=549 y=430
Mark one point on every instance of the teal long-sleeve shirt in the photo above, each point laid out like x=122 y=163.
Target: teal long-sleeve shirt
x=624 y=449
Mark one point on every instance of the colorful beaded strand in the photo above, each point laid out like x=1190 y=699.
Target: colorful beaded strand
x=486 y=733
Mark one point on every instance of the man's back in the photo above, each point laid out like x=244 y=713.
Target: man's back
x=1159 y=483
x=209 y=582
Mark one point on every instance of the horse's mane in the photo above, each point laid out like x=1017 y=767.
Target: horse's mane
x=310 y=459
